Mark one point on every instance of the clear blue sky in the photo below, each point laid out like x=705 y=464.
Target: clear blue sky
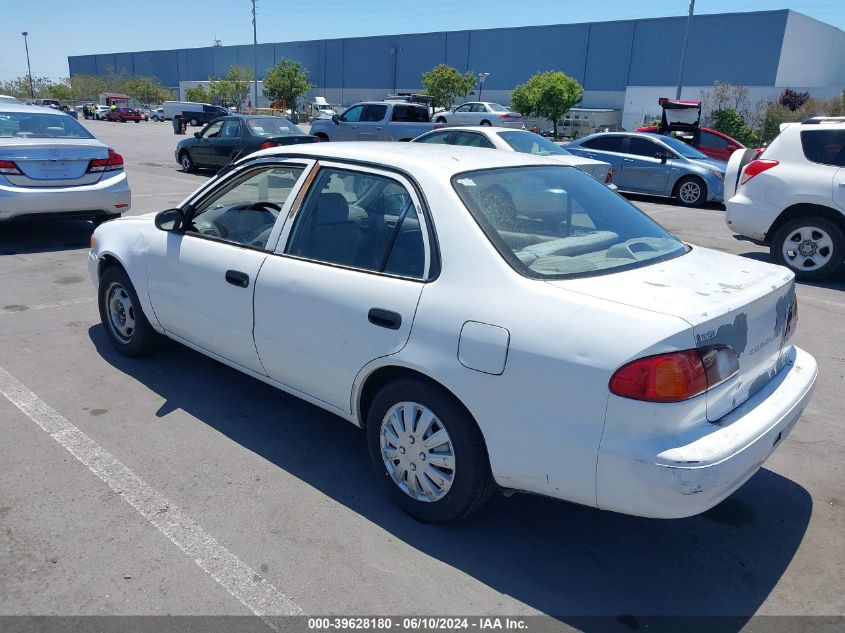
x=59 y=28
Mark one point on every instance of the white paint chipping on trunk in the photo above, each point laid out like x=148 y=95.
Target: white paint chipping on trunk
x=254 y=592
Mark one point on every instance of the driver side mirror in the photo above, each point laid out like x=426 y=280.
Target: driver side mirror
x=196 y=134
x=731 y=148
x=170 y=220
x=661 y=156
x=336 y=119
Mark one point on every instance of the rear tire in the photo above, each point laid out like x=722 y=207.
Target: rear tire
x=123 y=319
x=812 y=247
x=323 y=137
x=417 y=474
x=691 y=192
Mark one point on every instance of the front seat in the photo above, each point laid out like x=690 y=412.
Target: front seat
x=334 y=237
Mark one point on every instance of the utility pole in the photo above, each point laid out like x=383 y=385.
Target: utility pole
x=28 y=68
x=684 y=50
x=254 y=58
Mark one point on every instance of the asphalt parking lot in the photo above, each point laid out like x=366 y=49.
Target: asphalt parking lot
x=287 y=490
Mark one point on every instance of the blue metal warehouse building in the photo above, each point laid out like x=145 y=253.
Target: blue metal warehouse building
x=622 y=64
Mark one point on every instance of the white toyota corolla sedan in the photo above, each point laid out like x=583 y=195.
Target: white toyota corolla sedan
x=50 y=165
x=493 y=319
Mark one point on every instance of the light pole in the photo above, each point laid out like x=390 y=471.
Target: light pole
x=394 y=52
x=254 y=57
x=481 y=78
x=28 y=68
x=684 y=50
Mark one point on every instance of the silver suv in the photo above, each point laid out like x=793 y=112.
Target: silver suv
x=792 y=196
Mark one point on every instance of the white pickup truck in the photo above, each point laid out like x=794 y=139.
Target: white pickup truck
x=375 y=121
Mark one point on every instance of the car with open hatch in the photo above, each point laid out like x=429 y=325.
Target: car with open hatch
x=51 y=166
x=554 y=340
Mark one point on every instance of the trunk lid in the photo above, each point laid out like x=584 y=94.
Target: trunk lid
x=727 y=300
x=53 y=163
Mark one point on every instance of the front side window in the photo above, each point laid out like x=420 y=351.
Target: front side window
x=557 y=222
x=687 y=151
x=353 y=114
x=35 y=125
x=360 y=220
x=465 y=108
x=245 y=211
x=436 y=138
x=826 y=147
x=213 y=130
x=230 y=129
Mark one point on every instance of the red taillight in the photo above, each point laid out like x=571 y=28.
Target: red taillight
x=676 y=376
x=756 y=167
x=268 y=145
x=113 y=163
x=609 y=178
x=9 y=168
x=510 y=116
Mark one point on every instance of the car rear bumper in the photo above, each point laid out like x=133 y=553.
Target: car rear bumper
x=109 y=197
x=681 y=476
x=751 y=219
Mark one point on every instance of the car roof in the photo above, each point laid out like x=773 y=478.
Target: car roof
x=439 y=160
x=19 y=107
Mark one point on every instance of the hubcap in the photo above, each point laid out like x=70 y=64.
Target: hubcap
x=121 y=313
x=690 y=192
x=186 y=162
x=417 y=451
x=807 y=248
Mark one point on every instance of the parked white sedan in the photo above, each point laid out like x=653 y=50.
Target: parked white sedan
x=518 y=141
x=50 y=165
x=493 y=319
x=481 y=113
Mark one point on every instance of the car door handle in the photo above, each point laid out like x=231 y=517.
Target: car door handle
x=237 y=278
x=385 y=318
x=628 y=160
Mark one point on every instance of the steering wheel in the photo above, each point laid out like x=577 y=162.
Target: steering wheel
x=262 y=205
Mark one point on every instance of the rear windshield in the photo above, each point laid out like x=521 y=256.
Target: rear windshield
x=496 y=107
x=36 y=125
x=824 y=146
x=557 y=222
x=530 y=143
x=272 y=127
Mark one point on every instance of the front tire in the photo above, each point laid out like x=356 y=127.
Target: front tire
x=812 y=247
x=187 y=163
x=194 y=123
x=486 y=123
x=441 y=120
x=691 y=192
x=429 y=451
x=128 y=329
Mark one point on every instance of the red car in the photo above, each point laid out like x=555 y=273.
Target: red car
x=711 y=142
x=124 y=114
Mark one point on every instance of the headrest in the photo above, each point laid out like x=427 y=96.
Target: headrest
x=332 y=208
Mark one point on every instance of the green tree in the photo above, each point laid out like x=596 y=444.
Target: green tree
x=86 y=87
x=233 y=88
x=286 y=82
x=730 y=122
x=60 y=91
x=19 y=87
x=198 y=94
x=146 y=90
x=548 y=95
x=444 y=84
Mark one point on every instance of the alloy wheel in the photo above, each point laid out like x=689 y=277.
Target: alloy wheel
x=807 y=248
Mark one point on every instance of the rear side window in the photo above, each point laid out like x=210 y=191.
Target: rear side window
x=826 y=147
x=410 y=114
x=708 y=139
x=605 y=143
x=374 y=113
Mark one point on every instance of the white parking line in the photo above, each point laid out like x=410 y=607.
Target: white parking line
x=827 y=302
x=17 y=309
x=254 y=592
